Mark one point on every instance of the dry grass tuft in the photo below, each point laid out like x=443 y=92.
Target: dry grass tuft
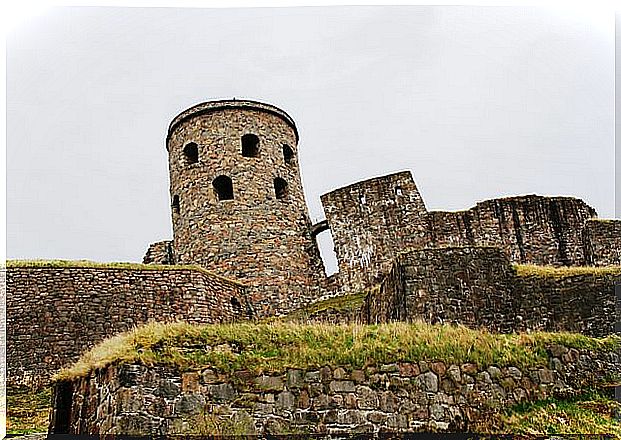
x=530 y=270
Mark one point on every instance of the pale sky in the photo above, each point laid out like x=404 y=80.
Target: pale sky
x=478 y=102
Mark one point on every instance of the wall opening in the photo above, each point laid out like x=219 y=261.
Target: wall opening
x=223 y=185
x=280 y=187
x=235 y=303
x=250 y=145
x=398 y=191
x=191 y=152
x=325 y=243
x=363 y=199
x=62 y=408
x=288 y=154
x=176 y=205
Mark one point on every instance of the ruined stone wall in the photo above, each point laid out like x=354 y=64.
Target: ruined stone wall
x=602 y=240
x=476 y=286
x=400 y=397
x=255 y=237
x=531 y=229
x=370 y=222
x=55 y=314
x=160 y=253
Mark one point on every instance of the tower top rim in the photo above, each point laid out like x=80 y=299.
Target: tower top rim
x=223 y=104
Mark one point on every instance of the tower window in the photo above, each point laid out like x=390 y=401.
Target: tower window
x=363 y=200
x=250 y=145
x=399 y=191
x=223 y=185
x=175 y=204
x=280 y=186
x=191 y=152
x=287 y=152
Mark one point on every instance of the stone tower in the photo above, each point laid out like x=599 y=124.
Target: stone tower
x=238 y=206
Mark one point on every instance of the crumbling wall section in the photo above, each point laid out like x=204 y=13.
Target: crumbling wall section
x=161 y=252
x=370 y=222
x=530 y=229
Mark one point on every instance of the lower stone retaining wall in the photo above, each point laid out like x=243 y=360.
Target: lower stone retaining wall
x=402 y=397
x=55 y=314
x=477 y=287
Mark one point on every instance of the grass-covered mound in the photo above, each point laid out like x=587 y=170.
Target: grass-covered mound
x=275 y=346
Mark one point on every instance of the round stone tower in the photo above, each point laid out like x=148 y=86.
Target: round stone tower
x=238 y=206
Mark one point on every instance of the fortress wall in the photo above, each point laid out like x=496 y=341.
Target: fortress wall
x=399 y=397
x=602 y=239
x=531 y=229
x=476 y=286
x=370 y=222
x=55 y=314
x=581 y=303
x=160 y=253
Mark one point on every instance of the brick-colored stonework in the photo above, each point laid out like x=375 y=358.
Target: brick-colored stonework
x=476 y=286
x=253 y=236
x=55 y=314
x=132 y=399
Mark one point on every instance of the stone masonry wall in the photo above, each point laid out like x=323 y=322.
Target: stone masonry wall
x=477 y=286
x=602 y=240
x=401 y=397
x=255 y=237
x=530 y=229
x=370 y=222
x=55 y=314
x=161 y=252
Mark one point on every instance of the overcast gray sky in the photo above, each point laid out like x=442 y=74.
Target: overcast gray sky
x=478 y=102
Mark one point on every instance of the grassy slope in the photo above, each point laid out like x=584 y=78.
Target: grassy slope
x=280 y=345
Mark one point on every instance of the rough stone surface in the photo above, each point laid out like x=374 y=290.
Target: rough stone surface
x=476 y=286
x=255 y=237
x=602 y=240
x=104 y=404
x=55 y=314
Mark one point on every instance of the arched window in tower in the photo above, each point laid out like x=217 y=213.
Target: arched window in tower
x=287 y=153
x=191 y=152
x=250 y=145
x=280 y=186
x=175 y=204
x=223 y=185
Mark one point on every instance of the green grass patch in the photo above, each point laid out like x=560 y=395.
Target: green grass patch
x=27 y=409
x=591 y=413
x=526 y=270
x=276 y=346
x=86 y=264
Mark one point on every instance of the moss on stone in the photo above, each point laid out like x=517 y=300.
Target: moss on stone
x=342 y=303
x=28 y=409
x=591 y=413
x=86 y=264
x=277 y=346
x=527 y=270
